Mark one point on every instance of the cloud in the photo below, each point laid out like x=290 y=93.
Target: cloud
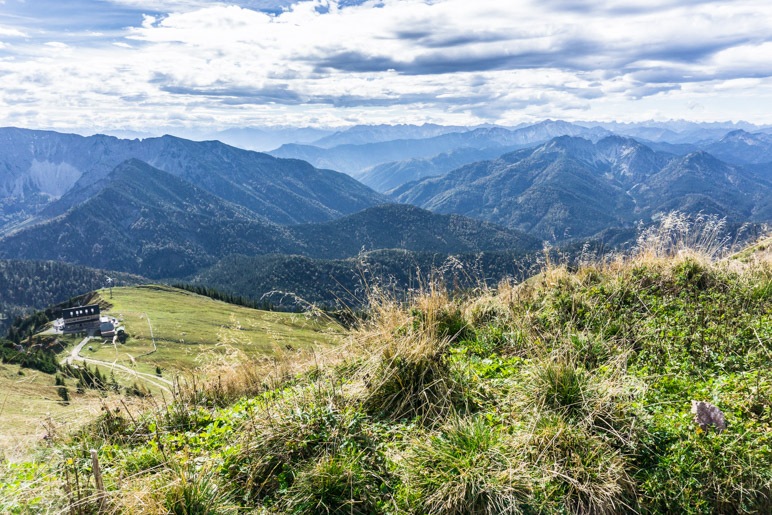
x=163 y=5
x=134 y=63
x=9 y=32
x=353 y=61
x=229 y=95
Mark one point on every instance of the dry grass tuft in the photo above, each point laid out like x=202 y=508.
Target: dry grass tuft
x=579 y=468
x=407 y=374
x=678 y=234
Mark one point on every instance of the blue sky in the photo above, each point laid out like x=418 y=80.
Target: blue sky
x=142 y=65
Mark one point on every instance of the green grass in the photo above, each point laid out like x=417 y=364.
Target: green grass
x=192 y=330
x=570 y=393
x=30 y=408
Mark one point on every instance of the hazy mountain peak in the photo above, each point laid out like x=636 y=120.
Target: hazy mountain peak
x=567 y=145
x=747 y=138
x=38 y=167
x=571 y=187
x=701 y=158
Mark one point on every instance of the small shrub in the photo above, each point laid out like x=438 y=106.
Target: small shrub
x=137 y=390
x=466 y=469
x=692 y=275
x=61 y=389
x=64 y=394
x=197 y=492
x=338 y=484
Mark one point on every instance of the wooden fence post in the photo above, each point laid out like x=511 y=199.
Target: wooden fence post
x=98 y=478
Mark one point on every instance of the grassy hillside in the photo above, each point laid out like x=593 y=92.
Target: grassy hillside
x=569 y=393
x=30 y=407
x=191 y=330
x=192 y=334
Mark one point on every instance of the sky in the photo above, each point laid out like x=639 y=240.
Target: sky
x=140 y=65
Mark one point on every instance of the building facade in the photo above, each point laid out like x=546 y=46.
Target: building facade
x=82 y=319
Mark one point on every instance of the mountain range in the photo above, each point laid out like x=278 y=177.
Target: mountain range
x=357 y=159
x=571 y=187
x=388 y=176
x=147 y=221
x=741 y=147
x=170 y=208
x=43 y=173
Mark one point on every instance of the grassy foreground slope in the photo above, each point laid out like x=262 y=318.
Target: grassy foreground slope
x=569 y=393
x=30 y=408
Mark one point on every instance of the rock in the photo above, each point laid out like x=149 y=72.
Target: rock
x=706 y=415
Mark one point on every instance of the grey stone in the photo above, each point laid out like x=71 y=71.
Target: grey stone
x=707 y=415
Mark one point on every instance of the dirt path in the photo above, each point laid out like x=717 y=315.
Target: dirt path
x=158 y=382
x=74 y=355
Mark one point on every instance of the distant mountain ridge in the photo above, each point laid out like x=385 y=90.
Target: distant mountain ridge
x=363 y=134
x=356 y=159
x=347 y=283
x=398 y=226
x=147 y=221
x=40 y=167
x=388 y=176
x=571 y=187
x=741 y=147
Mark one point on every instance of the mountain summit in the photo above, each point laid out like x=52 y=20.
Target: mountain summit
x=571 y=187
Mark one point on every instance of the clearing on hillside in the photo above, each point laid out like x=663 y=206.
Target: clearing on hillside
x=190 y=330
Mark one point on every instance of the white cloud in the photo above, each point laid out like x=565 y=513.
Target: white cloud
x=163 y=5
x=405 y=61
x=9 y=32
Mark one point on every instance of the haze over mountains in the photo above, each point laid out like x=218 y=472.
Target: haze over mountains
x=172 y=208
x=356 y=158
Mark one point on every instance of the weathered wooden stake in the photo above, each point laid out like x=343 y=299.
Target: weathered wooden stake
x=68 y=490
x=98 y=477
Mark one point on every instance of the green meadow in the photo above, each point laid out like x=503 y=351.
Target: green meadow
x=192 y=331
